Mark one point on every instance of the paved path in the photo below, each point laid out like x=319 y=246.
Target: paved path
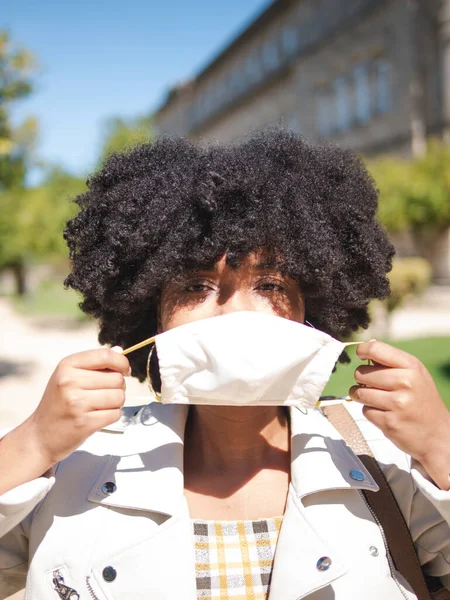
x=30 y=349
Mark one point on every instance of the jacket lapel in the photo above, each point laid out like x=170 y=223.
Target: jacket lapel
x=320 y=460
x=146 y=469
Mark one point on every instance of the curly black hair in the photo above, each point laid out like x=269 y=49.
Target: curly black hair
x=173 y=205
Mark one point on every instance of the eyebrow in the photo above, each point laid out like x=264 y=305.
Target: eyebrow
x=263 y=266
x=260 y=266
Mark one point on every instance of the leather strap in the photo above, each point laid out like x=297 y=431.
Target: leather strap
x=382 y=503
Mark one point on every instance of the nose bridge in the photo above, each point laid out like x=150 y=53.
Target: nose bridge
x=233 y=300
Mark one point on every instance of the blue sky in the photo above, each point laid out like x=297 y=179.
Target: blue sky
x=108 y=58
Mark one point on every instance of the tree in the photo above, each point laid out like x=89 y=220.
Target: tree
x=415 y=193
x=32 y=219
x=415 y=196
x=16 y=144
x=123 y=134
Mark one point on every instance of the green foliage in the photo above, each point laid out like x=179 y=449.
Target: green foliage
x=16 y=143
x=32 y=220
x=50 y=299
x=414 y=193
x=123 y=134
x=409 y=276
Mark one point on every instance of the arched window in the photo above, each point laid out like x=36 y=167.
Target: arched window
x=289 y=40
x=324 y=114
x=363 y=104
x=383 y=86
x=271 y=56
x=343 y=103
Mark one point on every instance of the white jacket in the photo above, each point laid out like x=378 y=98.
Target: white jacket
x=68 y=524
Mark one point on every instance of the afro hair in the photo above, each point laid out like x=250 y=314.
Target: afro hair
x=170 y=206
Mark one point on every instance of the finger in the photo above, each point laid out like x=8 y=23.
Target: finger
x=384 y=354
x=379 y=399
x=383 y=378
x=99 y=359
x=102 y=418
x=98 y=380
x=100 y=400
x=375 y=416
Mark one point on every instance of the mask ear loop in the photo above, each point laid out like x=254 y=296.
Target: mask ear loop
x=149 y=379
x=345 y=398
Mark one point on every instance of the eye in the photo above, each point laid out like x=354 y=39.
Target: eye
x=197 y=287
x=271 y=285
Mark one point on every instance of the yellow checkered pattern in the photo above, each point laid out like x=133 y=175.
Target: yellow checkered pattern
x=234 y=559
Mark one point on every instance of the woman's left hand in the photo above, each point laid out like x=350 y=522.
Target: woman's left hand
x=401 y=398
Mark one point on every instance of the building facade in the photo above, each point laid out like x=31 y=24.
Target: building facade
x=367 y=74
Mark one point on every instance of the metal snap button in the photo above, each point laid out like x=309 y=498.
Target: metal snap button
x=109 y=573
x=373 y=551
x=109 y=487
x=324 y=563
x=357 y=475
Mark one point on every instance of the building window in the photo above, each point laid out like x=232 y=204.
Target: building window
x=363 y=106
x=270 y=54
x=289 y=40
x=383 y=86
x=236 y=79
x=253 y=67
x=220 y=92
x=208 y=100
x=343 y=103
x=291 y=121
x=324 y=115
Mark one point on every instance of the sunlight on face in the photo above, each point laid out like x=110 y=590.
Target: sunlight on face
x=221 y=290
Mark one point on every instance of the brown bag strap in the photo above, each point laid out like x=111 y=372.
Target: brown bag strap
x=382 y=503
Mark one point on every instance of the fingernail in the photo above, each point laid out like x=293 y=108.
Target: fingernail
x=129 y=372
x=117 y=349
x=373 y=340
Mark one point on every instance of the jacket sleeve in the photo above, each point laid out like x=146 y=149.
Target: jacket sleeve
x=425 y=507
x=16 y=509
x=430 y=529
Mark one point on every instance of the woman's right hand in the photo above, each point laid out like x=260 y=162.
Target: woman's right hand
x=84 y=394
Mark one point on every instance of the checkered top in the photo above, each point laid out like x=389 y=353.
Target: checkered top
x=233 y=559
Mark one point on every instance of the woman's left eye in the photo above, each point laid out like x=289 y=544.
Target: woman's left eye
x=270 y=286
x=196 y=287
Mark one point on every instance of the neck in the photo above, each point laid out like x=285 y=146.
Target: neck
x=224 y=439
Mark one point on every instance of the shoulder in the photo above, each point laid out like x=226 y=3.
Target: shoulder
x=385 y=451
x=395 y=464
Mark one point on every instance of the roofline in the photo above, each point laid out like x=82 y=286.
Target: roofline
x=252 y=25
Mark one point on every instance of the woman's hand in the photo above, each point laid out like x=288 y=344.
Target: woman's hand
x=401 y=398
x=85 y=393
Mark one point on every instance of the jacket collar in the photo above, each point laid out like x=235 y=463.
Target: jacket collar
x=321 y=459
x=147 y=466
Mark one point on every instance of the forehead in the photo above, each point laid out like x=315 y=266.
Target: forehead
x=259 y=261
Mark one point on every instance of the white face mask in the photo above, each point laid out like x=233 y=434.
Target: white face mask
x=245 y=359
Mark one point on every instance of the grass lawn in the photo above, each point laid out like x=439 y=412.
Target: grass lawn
x=433 y=352
x=50 y=299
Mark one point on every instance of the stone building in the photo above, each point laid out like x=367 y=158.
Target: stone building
x=367 y=74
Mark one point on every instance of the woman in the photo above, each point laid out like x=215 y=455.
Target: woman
x=176 y=501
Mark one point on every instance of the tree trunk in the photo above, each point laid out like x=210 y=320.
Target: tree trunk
x=435 y=247
x=19 y=273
